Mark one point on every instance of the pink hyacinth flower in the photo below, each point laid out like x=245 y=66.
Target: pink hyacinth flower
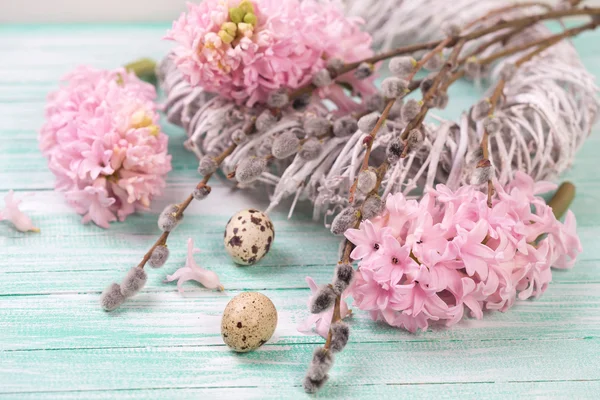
x=12 y=213
x=322 y=321
x=193 y=272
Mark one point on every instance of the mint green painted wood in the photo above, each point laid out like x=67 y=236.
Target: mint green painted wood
x=55 y=342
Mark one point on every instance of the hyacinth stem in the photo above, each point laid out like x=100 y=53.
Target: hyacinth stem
x=162 y=240
x=562 y=199
x=144 y=68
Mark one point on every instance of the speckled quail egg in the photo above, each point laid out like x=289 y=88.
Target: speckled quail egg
x=249 y=320
x=248 y=237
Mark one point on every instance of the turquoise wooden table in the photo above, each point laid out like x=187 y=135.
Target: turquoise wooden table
x=55 y=342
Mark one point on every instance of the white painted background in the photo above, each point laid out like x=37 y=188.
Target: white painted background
x=99 y=10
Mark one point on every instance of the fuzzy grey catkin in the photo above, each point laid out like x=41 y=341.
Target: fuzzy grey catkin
x=285 y=145
x=278 y=99
x=345 y=126
x=323 y=300
x=393 y=88
x=265 y=146
x=200 y=193
x=367 y=122
x=481 y=109
x=265 y=121
x=249 y=169
x=311 y=149
x=208 y=165
x=440 y=101
x=410 y=110
x=342 y=277
x=415 y=139
x=320 y=364
x=112 y=297
x=340 y=333
x=364 y=70
x=372 y=207
x=402 y=66
x=335 y=64
x=451 y=29
x=322 y=78
x=133 y=282
x=472 y=68
x=427 y=83
x=375 y=102
x=312 y=386
x=475 y=156
x=302 y=102
x=435 y=62
x=492 y=125
x=316 y=126
x=483 y=172
x=345 y=220
x=239 y=136
x=394 y=150
x=159 y=256
x=367 y=179
x=166 y=220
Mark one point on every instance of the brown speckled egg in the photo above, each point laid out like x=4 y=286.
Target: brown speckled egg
x=248 y=237
x=249 y=320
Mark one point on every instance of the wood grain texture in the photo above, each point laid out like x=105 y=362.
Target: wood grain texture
x=55 y=342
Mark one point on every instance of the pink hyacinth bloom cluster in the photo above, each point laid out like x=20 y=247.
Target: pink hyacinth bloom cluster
x=429 y=260
x=104 y=145
x=285 y=47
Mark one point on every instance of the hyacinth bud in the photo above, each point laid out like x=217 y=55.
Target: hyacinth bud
x=364 y=70
x=311 y=149
x=345 y=126
x=393 y=88
x=265 y=121
x=372 y=207
x=345 y=220
x=159 y=256
x=340 y=333
x=249 y=169
x=112 y=297
x=317 y=126
x=133 y=282
x=396 y=110
x=481 y=109
x=367 y=123
x=278 y=99
x=285 y=145
x=415 y=139
x=440 y=101
x=322 y=78
x=208 y=165
x=451 y=29
x=508 y=71
x=492 y=125
x=301 y=102
x=200 y=193
x=323 y=300
x=313 y=386
x=435 y=62
x=483 y=172
x=410 y=110
x=472 y=67
x=375 y=102
x=402 y=66
x=167 y=220
x=342 y=277
x=239 y=136
x=394 y=150
x=367 y=180
x=335 y=64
